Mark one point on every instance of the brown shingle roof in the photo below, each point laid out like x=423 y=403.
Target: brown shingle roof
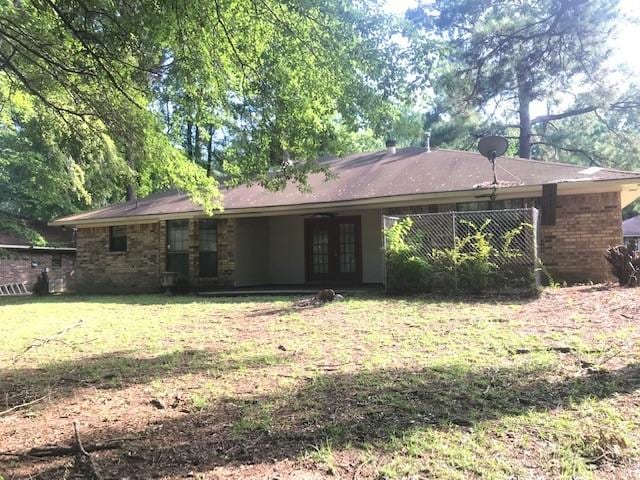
x=52 y=235
x=374 y=175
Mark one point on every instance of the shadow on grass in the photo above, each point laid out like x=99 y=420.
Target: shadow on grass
x=161 y=299
x=344 y=409
x=136 y=299
x=113 y=370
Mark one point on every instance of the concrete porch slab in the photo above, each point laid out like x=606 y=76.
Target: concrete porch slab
x=285 y=291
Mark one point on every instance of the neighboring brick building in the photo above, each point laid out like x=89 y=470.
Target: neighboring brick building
x=24 y=265
x=21 y=262
x=332 y=235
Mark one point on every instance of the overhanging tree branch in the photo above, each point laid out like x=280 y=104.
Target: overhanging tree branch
x=588 y=156
x=89 y=49
x=15 y=72
x=559 y=116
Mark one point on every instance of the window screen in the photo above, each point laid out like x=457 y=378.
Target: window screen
x=472 y=206
x=118 y=238
x=178 y=247
x=208 y=255
x=178 y=235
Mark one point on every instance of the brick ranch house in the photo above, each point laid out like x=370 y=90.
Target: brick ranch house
x=332 y=234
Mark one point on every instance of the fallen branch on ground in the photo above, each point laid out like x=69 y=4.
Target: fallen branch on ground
x=331 y=366
x=356 y=472
x=23 y=405
x=84 y=464
x=520 y=351
x=64 y=450
x=235 y=448
x=322 y=297
x=605 y=358
x=43 y=341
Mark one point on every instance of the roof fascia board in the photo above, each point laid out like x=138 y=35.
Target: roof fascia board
x=38 y=249
x=127 y=220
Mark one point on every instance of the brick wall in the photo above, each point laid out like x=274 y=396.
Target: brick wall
x=18 y=266
x=226 y=248
x=139 y=268
x=572 y=250
x=136 y=270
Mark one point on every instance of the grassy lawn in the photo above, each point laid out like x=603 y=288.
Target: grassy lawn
x=370 y=387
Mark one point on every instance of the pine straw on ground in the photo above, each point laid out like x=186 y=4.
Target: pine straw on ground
x=371 y=387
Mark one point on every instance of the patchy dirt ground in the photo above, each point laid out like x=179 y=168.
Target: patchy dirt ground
x=371 y=387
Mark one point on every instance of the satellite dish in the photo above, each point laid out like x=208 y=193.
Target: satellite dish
x=492 y=146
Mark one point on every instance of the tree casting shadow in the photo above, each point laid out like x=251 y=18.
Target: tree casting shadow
x=343 y=409
x=112 y=370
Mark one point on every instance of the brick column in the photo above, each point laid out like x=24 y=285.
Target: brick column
x=162 y=247
x=226 y=250
x=573 y=249
x=194 y=248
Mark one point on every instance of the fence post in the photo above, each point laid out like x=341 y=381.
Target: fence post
x=536 y=248
x=384 y=252
x=455 y=243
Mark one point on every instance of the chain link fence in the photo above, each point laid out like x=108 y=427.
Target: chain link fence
x=492 y=251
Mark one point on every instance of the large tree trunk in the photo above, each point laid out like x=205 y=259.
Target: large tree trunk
x=189 y=140
x=210 y=152
x=130 y=193
x=524 y=103
x=198 y=147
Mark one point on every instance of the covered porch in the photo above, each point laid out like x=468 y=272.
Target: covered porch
x=332 y=249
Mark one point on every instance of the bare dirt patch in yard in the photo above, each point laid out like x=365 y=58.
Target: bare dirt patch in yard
x=371 y=387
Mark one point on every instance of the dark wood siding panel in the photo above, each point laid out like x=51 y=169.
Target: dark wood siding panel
x=548 y=203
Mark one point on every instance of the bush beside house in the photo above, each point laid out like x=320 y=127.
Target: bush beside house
x=479 y=261
x=625 y=265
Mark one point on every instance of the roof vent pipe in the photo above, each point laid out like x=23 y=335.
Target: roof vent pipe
x=427 y=141
x=391 y=146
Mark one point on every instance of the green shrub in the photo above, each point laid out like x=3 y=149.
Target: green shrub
x=396 y=237
x=408 y=275
x=470 y=265
x=478 y=262
x=6 y=254
x=444 y=265
x=476 y=265
x=407 y=272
